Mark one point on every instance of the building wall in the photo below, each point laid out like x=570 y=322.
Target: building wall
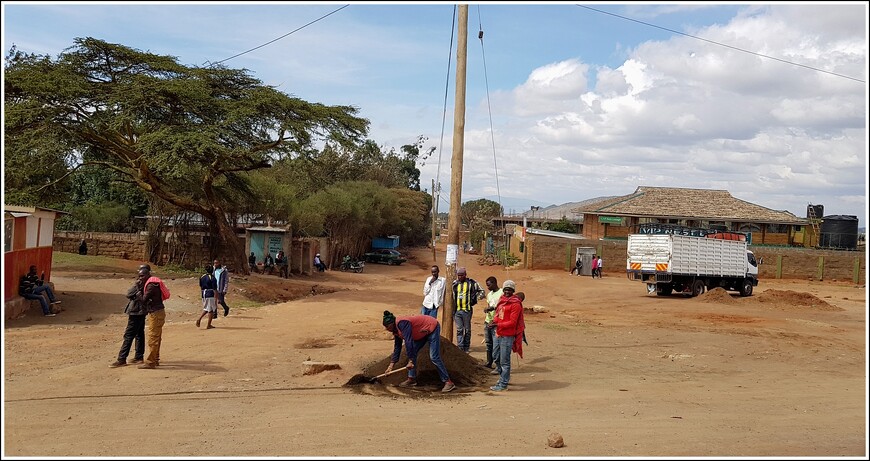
x=545 y=252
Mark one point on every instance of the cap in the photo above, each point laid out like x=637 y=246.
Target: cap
x=389 y=318
x=510 y=284
x=461 y=271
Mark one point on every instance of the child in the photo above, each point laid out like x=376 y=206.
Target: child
x=522 y=297
x=208 y=284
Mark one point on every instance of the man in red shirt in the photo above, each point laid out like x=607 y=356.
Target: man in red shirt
x=416 y=331
x=509 y=327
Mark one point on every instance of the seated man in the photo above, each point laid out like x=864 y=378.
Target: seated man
x=252 y=262
x=281 y=262
x=32 y=287
x=268 y=264
x=318 y=263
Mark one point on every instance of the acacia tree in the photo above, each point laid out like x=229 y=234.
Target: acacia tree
x=184 y=134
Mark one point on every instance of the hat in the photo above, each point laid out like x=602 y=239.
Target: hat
x=146 y=267
x=389 y=318
x=461 y=271
x=510 y=284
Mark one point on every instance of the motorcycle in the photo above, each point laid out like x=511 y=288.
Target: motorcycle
x=352 y=265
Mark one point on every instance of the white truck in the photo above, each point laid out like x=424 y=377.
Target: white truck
x=688 y=264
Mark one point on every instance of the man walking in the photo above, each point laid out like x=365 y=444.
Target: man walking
x=465 y=295
x=416 y=331
x=433 y=293
x=155 y=292
x=222 y=277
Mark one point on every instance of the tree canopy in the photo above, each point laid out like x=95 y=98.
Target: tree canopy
x=185 y=134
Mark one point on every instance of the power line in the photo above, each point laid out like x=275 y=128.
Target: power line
x=722 y=44
x=279 y=38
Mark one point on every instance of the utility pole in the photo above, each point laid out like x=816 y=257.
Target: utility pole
x=453 y=222
x=434 y=218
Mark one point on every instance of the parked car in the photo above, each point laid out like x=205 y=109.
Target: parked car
x=385 y=256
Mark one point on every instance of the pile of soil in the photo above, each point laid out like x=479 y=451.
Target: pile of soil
x=788 y=298
x=717 y=295
x=464 y=370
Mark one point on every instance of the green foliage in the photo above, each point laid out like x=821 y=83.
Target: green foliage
x=97 y=217
x=564 y=225
x=477 y=216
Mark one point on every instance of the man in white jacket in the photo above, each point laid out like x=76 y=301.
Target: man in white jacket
x=433 y=293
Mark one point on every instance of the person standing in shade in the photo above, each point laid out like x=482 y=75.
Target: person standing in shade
x=578 y=266
x=135 y=311
x=466 y=292
x=154 y=294
x=433 y=293
x=509 y=328
x=252 y=262
x=83 y=248
x=416 y=331
x=222 y=278
x=492 y=298
x=208 y=287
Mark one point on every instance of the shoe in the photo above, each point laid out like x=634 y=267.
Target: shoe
x=448 y=386
x=147 y=366
x=209 y=327
x=50 y=314
x=135 y=361
x=226 y=311
x=495 y=372
x=117 y=363
x=197 y=323
x=498 y=388
x=55 y=302
x=408 y=383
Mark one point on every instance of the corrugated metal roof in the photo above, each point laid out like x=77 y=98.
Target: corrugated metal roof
x=549 y=233
x=674 y=202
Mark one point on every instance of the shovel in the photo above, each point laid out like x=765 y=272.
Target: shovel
x=365 y=379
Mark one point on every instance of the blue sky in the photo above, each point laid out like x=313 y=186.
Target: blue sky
x=581 y=103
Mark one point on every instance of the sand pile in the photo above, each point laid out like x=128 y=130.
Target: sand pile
x=464 y=370
x=794 y=299
x=717 y=295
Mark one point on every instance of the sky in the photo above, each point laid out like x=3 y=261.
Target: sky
x=564 y=101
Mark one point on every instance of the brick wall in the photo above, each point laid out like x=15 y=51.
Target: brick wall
x=545 y=252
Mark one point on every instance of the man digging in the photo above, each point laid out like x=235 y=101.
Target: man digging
x=416 y=331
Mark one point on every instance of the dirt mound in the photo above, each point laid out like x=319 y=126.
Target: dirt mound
x=464 y=370
x=717 y=295
x=794 y=299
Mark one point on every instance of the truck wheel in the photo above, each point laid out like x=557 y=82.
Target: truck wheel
x=746 y=288
x=697 y=288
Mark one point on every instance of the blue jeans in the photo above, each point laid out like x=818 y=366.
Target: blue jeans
x=434 y=340
x=37 y=295
x=430 y=312
x=503 y=346
x=462 y=319
x=489 y=336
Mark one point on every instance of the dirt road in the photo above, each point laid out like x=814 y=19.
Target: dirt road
x=614 y=371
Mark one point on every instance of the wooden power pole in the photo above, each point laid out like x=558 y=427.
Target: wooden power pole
x=454 y=220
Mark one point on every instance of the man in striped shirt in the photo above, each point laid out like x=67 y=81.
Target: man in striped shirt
x=466 y=292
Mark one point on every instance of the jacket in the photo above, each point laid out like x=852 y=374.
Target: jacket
x=28 y=283
x=509 y=321
x=154 y=294
x=474 y=293
x=135 y=306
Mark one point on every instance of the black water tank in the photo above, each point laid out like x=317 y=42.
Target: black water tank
x=839 y=231
x=815 y=211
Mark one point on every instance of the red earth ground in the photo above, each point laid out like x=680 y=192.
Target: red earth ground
x=612 y=370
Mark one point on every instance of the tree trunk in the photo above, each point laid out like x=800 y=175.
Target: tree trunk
x=231 y=243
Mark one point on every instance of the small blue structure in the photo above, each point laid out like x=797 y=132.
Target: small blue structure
x=390 y=242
